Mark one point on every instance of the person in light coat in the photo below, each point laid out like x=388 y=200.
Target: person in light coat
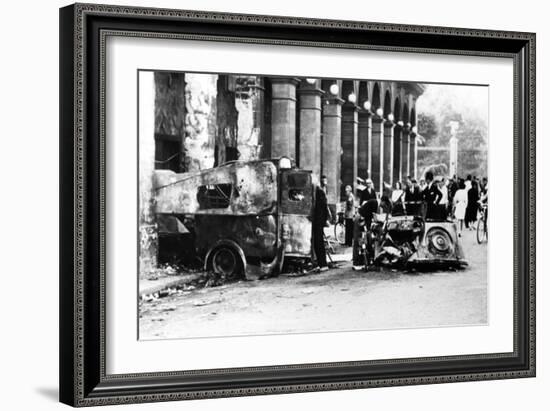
x=460 y=201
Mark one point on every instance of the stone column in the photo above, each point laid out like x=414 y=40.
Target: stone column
x=310 y=128
x=412 y=155
x=283 y=117
x=200 y=120
x=377 y=171
x=349 y=147
x=258 y=106
x=405 y=171
x=331 y=146
x=388 y=152
x=397 y=158
x=250 y=105
x=364 y=144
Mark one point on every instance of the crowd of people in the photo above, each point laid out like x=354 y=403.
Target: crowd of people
x=443 y=198
x=437 y=198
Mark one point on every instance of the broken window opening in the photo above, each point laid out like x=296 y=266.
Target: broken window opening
x=214 y=196
x=296 y=194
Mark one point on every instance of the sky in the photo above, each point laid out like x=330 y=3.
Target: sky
x=470 y=101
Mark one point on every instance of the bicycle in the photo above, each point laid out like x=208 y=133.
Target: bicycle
x=482 y=234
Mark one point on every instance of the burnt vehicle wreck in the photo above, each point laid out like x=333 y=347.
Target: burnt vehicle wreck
x=246 y=217
x=406 y=239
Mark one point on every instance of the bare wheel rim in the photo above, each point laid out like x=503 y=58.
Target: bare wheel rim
x=340 y=233
x=439 y=242
x=224 y=261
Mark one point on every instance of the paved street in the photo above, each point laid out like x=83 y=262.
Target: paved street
x=340 y=299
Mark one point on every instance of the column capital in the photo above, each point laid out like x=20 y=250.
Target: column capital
x=313 y=91
x=285 y=80
x=377 y=119
x=334 y=100
x=350 y=106
x=364 y=114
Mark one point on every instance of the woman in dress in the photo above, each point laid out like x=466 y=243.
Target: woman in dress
x=472 y=208
x=460 y=201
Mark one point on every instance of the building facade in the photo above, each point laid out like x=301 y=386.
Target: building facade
x=343 y=129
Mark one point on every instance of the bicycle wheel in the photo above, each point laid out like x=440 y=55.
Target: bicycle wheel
x=340 y=233
x=481 y=231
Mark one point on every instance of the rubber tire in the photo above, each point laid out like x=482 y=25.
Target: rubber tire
x=226 y=261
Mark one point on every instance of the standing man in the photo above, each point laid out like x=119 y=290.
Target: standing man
x=413 y=197
x=483 y=186
x=368 y=193
x=324 y=183
x=319 y=221
x=349 y=213
x=431 y=195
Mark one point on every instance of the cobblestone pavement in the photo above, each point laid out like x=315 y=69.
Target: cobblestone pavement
x=336 y=300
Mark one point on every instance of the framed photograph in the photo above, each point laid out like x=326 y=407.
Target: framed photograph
x=261 y=204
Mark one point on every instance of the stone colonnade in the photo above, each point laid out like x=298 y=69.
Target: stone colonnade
x=343 y=129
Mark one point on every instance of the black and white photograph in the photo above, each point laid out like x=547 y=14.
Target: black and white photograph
x=283 y=205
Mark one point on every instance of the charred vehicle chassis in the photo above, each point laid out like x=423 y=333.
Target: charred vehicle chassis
x=247 y=217
x=412 y=241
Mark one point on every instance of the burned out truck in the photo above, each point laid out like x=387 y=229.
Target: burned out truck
x=247 y=217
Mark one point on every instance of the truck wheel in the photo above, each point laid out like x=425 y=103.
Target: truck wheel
x=225 y=261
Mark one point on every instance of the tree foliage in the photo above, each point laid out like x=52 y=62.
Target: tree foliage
x=471 y=135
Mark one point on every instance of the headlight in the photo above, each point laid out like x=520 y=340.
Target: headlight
x=285 y=163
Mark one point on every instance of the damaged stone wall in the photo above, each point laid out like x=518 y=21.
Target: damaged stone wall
x=200 y=121
x=248 y=136
x=170 y=104
x=250 y=105
x=162 y=131
x=148 y=237
x=227 y=114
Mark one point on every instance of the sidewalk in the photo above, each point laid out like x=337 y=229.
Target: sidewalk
x=147 y=287
x=150 y=286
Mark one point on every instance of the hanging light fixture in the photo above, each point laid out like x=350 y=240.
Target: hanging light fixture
x=352 y=98
x=311 y=81
x=334 y=89
x=400 y=123
x=367 y=105
x=391 y=117
x=379 y=112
